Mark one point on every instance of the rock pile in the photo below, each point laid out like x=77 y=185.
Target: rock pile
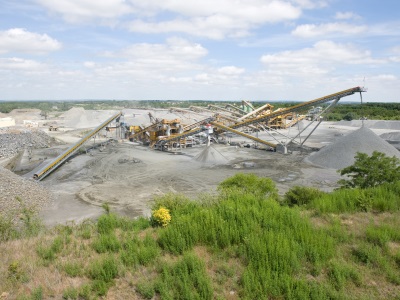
x=340 y=154
x=210 y=155
x=31 y=194
x=13 y=141
x=374 y=124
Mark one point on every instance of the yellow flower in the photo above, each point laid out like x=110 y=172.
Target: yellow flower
x=161 y=216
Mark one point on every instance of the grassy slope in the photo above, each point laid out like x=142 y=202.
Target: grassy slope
x=241 y=244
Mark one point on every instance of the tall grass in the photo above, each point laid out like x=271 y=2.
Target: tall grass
x=378 y=199
x=185 y=279
x=274 y=242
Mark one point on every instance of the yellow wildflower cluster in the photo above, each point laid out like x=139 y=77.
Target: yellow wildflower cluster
x=161 y=216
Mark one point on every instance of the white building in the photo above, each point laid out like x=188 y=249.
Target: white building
x=7 y=122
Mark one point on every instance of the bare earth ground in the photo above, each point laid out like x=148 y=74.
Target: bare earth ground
x=128 y=175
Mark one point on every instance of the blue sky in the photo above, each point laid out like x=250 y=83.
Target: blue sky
x=209 y=49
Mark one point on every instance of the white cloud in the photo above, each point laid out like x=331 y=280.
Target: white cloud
x=20 y=64
x=217 y=19
x=310 y=4
x=80 y=10
x=313 y=30
x=323 y=57
x=346 y=15
x=214 y=19
x=230 y=71
x=22 y=41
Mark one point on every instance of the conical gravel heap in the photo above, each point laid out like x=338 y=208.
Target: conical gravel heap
x=340 y=154
x=210 y=155
x=31 y=194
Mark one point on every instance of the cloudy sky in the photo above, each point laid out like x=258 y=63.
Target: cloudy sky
x=209 y=49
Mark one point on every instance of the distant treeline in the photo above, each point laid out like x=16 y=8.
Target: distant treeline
x=344 y=111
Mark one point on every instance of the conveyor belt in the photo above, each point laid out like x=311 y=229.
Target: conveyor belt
x=300 y=106
x=53 y=165
x=226 y=128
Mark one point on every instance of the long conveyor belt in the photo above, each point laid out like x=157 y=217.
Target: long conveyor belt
x=297 y=107
x=226 y=128
x=53 y=165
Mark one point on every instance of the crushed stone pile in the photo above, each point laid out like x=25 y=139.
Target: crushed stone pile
x=13 y=141
x=391 y=136
x=341 y=152
x=78 y=117
x=374 y=124
x=210 y=155
x=32 y=195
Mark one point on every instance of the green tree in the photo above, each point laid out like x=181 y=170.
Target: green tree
x=369 y=171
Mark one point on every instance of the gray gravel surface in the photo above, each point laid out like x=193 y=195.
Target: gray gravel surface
x=32 y=194
x=341 y=152
x=13 y=141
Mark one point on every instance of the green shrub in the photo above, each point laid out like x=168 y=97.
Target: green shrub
x=370 y=171
x=106 y=243
x=377 y=199
x=70 y=293
x=250 y=183
x=185 y=279
x=105 y=269
x=72 y=269
x=107 y=223
x=340 y=274
x=301 y=195
x=145 y=289
x=49 y=253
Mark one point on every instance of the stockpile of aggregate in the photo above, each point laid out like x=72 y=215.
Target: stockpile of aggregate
x=32 y=195
x=341 y=152
x=13 y=141
x=78 y=117
x=374 y=124
x=391 y=136
x=210 y=155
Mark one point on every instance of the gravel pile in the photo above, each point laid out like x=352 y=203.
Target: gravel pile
x=340 y=154
x=374 y=124
x=33 y=196
x=391 y=136
x=78 y=117
x=13 y=141
x=210 y=155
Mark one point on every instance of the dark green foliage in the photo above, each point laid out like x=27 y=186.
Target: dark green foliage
x=185 y=279
x=301 y=195
x=370 y=171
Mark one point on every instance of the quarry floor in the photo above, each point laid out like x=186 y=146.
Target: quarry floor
x=128 y=176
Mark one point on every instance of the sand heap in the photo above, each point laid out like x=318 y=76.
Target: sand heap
x=32 y=195
x=212 y=156
x=340 y=154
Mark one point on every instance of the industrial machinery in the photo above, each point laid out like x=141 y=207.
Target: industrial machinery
x=59 y=160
